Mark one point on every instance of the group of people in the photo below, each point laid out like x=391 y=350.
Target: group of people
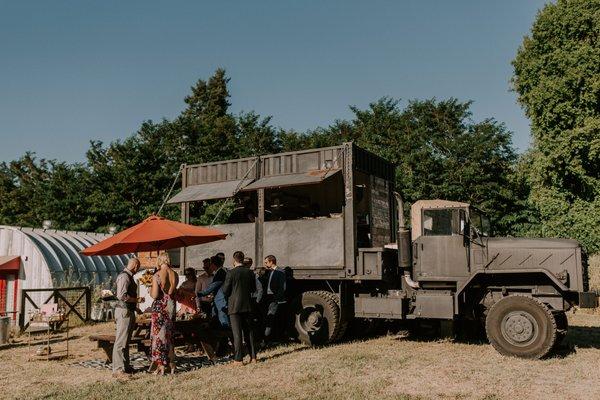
x=239 y=297
x=242 y=298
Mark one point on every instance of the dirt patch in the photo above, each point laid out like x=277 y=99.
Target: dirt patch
x=22 y=378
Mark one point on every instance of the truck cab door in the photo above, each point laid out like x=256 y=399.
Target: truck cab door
x=441 y=252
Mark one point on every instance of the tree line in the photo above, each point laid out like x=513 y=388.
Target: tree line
x=553 y=189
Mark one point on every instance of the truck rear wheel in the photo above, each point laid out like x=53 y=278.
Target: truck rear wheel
x=318 y=319
x=521 y=326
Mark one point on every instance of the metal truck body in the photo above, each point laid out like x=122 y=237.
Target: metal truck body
x=332 y=216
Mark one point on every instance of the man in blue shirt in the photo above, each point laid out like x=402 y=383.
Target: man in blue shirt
x=219 y=302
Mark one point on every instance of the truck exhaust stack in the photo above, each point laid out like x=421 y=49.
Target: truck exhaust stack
x=404 y=245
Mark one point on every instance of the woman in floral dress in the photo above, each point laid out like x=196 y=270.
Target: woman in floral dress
x=164 y=285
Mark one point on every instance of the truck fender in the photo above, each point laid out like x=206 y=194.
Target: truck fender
x=483 y=272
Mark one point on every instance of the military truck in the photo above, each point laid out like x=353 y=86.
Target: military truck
x=333 y=217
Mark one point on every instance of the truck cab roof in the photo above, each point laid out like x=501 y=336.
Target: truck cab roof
x=420 y=205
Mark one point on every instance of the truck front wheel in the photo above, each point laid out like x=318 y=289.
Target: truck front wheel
x=521 y=326
x=318 y=318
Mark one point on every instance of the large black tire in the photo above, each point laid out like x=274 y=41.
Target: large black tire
x=318 y=318
x=521 y=326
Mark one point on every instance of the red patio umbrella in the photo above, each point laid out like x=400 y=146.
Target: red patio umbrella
x=153 y=234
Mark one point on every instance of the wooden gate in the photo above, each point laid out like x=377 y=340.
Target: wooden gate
x=77 y=302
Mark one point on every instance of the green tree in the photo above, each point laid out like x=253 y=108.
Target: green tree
x=292 y=140
x=8 y=205
x=130 y=178
x=256 y=136
x=66 y=196
x=439 y=151
x=557 y=78
x=33 y=190
x=30 y=176
x=209 y=129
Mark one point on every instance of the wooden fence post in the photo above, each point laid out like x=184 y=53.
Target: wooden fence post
x=88 y=304
x=22 y=310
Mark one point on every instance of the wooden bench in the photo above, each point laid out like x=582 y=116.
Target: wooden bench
x=107 y=342
x=208 y=338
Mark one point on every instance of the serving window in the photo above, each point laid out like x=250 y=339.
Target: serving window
x=239 y=209
x=319 y=200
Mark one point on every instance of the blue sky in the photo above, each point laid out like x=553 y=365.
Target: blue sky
x=73 y=71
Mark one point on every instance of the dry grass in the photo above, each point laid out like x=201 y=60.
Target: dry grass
x=385 y=367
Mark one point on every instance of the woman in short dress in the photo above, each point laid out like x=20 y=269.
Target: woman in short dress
x=164 y=285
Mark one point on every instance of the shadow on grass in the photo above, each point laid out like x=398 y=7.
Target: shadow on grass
x=36 y=340
x=578 y=337
x=280 y=351
x=584 y=337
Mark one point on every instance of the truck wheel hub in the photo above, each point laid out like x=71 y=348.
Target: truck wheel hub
x=519 y=328
x=310 y=319
x=314 y=320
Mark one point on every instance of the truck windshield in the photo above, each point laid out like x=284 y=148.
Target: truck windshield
x=480 y=222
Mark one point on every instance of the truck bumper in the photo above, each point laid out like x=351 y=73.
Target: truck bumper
x=588 y=299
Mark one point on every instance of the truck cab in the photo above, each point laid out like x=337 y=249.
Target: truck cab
x=453 y=246
x=519 y=288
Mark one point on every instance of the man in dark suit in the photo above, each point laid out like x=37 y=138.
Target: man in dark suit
x=239 y=285
x=274 y=297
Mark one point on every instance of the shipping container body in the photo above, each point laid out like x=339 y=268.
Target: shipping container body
x=326 y=213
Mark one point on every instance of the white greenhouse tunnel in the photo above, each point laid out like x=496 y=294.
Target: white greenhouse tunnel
x=33 y=258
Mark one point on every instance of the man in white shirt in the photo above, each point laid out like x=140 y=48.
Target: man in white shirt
x=125 y=317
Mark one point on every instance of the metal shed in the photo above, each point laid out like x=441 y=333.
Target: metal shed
x=45 y=258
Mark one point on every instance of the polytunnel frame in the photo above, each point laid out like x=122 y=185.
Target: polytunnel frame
x=61 y=250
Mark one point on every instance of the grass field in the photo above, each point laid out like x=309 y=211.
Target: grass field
x=387 y=367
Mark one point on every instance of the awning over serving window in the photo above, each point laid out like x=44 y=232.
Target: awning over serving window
x=307 y=178
x=209 y=191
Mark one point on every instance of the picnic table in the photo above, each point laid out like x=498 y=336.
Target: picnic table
x=195 y=331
